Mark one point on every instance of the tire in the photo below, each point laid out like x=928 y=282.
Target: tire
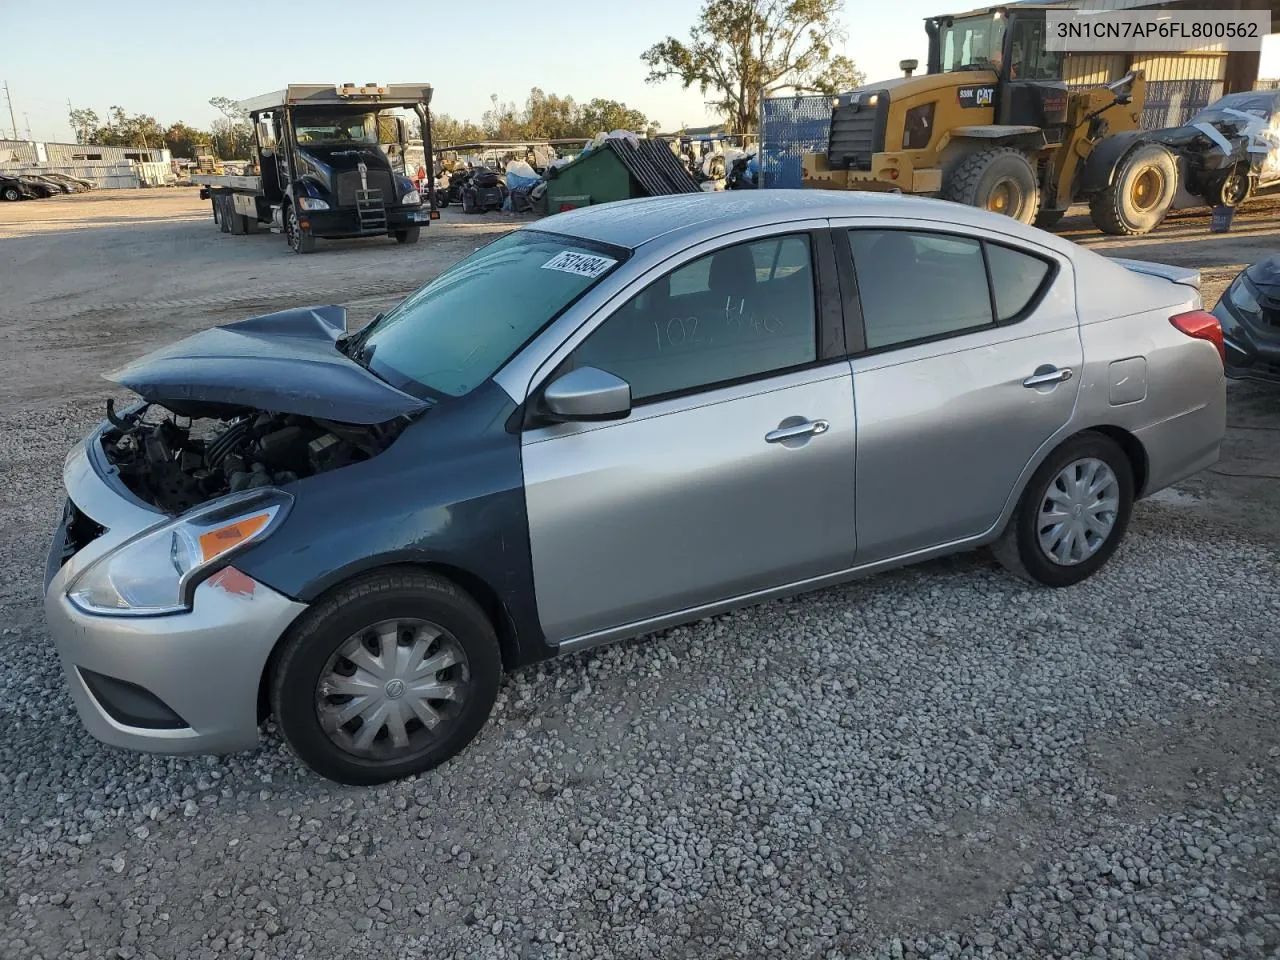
x=1142 y=190
x=237 y=220
x=442 y=199
x=1048 y=219
x=12 y=194
x=299 y=242
x=403 y=600
x=999 y=179
x=224 y=213
x=408 y=235
x=1019 y=549
x=469 y=202
x=1232 y=190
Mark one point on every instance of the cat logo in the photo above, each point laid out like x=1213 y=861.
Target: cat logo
x=971 y=97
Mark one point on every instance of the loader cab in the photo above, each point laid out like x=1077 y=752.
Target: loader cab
x=1006 y=45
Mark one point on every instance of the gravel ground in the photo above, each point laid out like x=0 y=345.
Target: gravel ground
x=939 y=762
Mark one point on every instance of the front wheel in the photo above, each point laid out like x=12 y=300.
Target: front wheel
x=1232 y=190
x=999 y=179
x=408 y=235
x=12 y=194
x=1072 y=515
x=392 y=675
x=299 y=240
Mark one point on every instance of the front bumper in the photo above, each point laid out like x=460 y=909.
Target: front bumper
x=1252 y=354
x=181 y=683
x=334 y=224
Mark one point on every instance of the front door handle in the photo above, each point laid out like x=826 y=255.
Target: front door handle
x=1040 y=379
x=805 y=429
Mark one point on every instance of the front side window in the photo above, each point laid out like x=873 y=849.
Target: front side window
x=740 y=312
x=972 y=43
x=1030 y=60
x=457 y=331
x=918 y=286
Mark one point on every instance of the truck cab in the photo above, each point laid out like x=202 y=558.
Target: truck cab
x=329 y=163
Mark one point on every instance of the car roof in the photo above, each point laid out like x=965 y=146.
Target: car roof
x=634 y=223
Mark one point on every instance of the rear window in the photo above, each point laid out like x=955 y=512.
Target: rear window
x=1016 y=278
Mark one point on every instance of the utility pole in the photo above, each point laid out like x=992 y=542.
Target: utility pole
x=12 y=122
x=26 y=121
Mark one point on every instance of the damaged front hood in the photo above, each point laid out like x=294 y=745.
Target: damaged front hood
x=286 y=362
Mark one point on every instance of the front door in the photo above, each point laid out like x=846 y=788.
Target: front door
x=970 y=365
x=734 y=471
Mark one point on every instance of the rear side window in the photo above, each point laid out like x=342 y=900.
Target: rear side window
x=1016 y=279
x=919 y=286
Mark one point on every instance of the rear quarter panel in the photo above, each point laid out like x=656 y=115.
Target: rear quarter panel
x=1178 y=410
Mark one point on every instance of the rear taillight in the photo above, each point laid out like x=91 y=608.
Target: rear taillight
x=1203 y=326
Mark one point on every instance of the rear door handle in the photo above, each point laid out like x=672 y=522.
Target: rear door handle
x=808 y=428
x=1049 y=376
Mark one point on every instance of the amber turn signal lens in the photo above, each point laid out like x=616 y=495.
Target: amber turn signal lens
x=218 y=541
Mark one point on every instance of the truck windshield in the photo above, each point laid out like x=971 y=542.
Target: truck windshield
x=335 y=127
x=970 y=43
x=457 y=331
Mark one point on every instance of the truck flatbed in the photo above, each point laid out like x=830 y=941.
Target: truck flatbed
x=249 y=184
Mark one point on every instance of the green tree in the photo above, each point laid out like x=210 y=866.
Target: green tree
x=738 y=51
x=232 y=136
x=183 y=140
x=446 y=130
x=604 y=115
x=85 y=123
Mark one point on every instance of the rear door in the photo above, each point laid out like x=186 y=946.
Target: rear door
x=966 y=356
x=734 y=471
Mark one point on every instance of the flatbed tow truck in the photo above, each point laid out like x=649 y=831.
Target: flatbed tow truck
x=330 y=163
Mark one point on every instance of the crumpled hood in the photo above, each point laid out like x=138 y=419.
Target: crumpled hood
x=285 y=362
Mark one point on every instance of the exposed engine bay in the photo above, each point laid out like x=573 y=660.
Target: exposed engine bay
x=176 y=463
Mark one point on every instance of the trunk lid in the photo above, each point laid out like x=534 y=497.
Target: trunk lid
x=1184 y=275
x=286 y=362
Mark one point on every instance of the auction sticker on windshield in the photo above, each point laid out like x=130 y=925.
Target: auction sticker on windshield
x=588 y=265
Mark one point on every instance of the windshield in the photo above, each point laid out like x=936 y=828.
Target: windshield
x=457 y=331
x=335 y=127
x=972 y=42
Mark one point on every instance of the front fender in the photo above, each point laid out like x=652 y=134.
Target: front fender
x=1101 y=164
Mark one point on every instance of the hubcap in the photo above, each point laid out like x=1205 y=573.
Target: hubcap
x=1147 y=187
x=1004 y=198
x=392 y=690
x=1078 y=511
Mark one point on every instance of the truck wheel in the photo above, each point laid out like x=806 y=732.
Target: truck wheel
x=224 y=213
x=299 y=240
x=1141 y=192
x=469 y=202
x=999 y=179
x=1048 y=219
x=408 y=235
x=237 y=221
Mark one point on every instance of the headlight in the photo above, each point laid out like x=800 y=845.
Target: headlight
x=156 y=571
x=1243 y=298
x=311 y=203
x=411 y=197
x=918 y=128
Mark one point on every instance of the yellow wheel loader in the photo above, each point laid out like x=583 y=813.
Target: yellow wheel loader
x=992 y=124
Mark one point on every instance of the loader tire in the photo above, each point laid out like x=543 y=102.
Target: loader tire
x=1140 y=194
x=1048 y=219
x=999 y=179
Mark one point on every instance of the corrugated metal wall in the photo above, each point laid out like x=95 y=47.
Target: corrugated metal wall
x=75 y=152
x=17 y=151
x=1178 y=85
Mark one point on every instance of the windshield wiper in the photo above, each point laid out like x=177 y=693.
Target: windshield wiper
x=353 y=344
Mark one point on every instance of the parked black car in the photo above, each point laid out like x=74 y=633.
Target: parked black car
x=41 y=188
x=15 y=188
x=1249 y=312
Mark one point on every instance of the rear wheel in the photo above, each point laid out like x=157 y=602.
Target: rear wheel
x=299 y=240
x=392 y=675
x=408 y=235
x=1232 y=190
x=1072 y=515
x=11 y=194
x=1140 y=194
x=999 y=179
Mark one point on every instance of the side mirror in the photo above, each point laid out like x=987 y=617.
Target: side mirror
x=588 y=393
